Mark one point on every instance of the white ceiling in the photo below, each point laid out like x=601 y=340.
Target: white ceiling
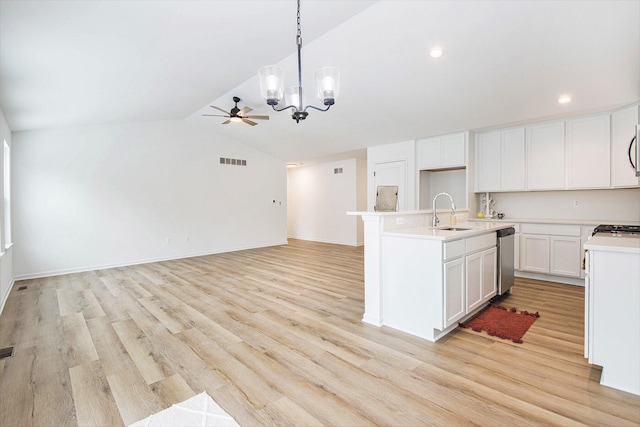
x=83 y=63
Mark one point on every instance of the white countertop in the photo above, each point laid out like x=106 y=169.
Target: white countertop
x=556 y=221
x=601 y=242
x=507 y=220
x=438 y=233
x=403 y=213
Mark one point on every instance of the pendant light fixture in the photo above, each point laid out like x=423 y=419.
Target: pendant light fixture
x=272 y=82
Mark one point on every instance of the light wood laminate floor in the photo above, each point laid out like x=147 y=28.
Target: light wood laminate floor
x=274 y=336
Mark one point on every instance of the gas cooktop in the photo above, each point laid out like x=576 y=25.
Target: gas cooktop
x=618 y=230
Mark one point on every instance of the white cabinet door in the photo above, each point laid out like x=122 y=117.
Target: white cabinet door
x=473 y=267
x=545 y=156
x=487 y=162
x=481 y=277
x=500 y=160
x=565 y=256
x=588 y=148
x=623 y=124
x=516 y=252
x=489 y=273
x=453 y=150
x=512 y=160
x=534 y=253
x=441 y=151
x=454 y=307
x=429 y=153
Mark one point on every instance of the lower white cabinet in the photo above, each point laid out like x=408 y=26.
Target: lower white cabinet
x=534 y=253
x=454 y=294
x=429 y=285
x=551 y=249
x=564 y=258
x=470 y=279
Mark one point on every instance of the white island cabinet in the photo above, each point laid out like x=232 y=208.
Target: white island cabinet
x=429 y=285
x=424 y=280
x=612 y=310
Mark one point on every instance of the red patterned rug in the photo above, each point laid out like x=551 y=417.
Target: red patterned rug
x=497 y=321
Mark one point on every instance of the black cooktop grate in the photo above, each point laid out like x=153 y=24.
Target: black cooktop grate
x=622 y=229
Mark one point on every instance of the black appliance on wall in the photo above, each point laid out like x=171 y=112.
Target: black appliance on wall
x=634 y=155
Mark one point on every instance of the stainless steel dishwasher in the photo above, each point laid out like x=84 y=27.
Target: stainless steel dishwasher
x=505 y=259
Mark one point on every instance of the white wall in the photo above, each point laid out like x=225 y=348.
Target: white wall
x=318 y=200
x=621 y=205
x=452 y=181
x=6 y=251
x=103 y=196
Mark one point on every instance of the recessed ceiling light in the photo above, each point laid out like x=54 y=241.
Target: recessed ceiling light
x=291 y=165
x=564 y=99
x=436 y=52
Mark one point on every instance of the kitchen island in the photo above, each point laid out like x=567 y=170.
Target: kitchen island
x=422 y=279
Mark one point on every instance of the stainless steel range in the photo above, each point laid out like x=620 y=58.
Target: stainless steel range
x=618 y=230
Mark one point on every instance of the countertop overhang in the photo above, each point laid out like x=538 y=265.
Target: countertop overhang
x=602 y=242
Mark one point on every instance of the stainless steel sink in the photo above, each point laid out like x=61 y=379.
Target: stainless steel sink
x=455 y=228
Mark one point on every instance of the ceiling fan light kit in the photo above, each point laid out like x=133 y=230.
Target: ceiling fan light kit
x=272 y=83
x=237 y=115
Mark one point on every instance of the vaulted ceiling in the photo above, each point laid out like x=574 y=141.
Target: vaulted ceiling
x=85 y=63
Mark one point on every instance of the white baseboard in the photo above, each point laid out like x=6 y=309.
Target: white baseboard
x=549 y=278
x=5 y=297
x=332 y=242
x=80 y=269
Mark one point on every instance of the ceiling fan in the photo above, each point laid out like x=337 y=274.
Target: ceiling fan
x=237 y=115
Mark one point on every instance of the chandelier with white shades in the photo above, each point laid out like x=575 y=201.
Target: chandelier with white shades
x=272 y=83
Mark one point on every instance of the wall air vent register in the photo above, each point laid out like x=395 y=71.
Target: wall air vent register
x=233 y=162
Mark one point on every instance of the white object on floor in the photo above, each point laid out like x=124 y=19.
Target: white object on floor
x=200 y=410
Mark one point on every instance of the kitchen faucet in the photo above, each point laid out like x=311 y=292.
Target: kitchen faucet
x=453 y=207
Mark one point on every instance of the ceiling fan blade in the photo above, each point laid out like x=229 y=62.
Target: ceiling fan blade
x=249 y=122
x=220 y=109
x=257 y=117
x=215 y=115
x=244 y=111
x=226 y=122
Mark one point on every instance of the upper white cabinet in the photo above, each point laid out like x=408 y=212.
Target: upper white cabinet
x=500 y=160
x=545 y=156
x=623 y=124
x=487 y=161
x=512 y=156
x=588 y=142
x=585 y=152
x=441 y=152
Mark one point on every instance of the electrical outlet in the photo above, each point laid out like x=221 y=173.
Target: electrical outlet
x=576 y=204
x=399 y=221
